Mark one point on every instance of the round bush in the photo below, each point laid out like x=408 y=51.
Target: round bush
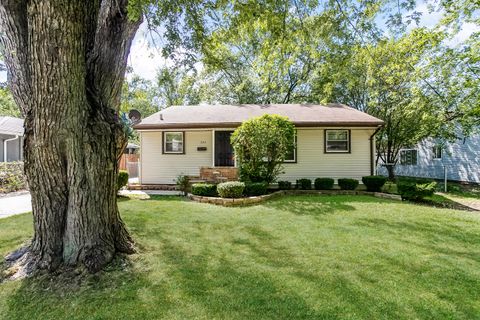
x=284 y=185
x=256 y=188
x=204 y=189
x=122 y=179
x=232 y=189
x=348 y=184
x=324 y=183
x=410 y=189
x=374 y=183
x=304 y=184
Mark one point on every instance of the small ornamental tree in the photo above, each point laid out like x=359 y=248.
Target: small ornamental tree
x=261 y=145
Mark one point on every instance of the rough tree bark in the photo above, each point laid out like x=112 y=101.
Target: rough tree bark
x=66 y=61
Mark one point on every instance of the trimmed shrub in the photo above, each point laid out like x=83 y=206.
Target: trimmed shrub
x=414 y=190
x=348 y=184
x=284 y=185
x=256 y=188
x=304 y=184
x=324 y=183
x=122 y=179
x=374 y=183
x=232 y=189
x=204 y=189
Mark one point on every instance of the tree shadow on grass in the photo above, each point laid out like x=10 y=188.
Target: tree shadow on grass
x=119 y=292
x=317 y=205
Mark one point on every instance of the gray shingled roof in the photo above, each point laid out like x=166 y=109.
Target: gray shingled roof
x=302 y=115
x=11 y=126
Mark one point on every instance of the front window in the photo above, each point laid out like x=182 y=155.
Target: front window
x=408 y=157
x=173 y=142
x=337 y=141
x=292 y=153
x=437 y=152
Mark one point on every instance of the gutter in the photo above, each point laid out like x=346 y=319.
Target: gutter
x=372 y=151
x=5 y=147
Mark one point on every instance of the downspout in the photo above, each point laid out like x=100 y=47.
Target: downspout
x=5 y=147
x=372 y=153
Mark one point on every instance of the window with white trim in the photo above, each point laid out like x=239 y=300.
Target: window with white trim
x=437 y=152
x=408 y=157
x=173 y=142
x=337 y=141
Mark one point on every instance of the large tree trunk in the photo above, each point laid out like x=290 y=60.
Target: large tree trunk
x=66 y=63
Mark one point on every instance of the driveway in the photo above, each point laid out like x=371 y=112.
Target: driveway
x=15 y=204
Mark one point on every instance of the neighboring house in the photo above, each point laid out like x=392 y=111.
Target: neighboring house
x=431 y=159
x=11 y=139
x=331 y=141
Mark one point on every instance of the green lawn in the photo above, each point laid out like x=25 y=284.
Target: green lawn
x=304 y=257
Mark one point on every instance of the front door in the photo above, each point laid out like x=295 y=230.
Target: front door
x=223 y=149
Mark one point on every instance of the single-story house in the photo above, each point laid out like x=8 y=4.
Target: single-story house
x=432 y=158
x=331 y=141
x=11 y=139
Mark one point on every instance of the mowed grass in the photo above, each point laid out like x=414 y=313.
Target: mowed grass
x=299 y=257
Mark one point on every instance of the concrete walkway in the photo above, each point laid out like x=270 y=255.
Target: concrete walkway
x=15 y=204
x=471 y=203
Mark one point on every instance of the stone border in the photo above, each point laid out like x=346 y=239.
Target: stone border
x=229 y=202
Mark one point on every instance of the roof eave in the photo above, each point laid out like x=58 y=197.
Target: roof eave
x=236 y=124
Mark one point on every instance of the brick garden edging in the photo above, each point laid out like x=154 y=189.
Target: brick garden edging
x=229 y=202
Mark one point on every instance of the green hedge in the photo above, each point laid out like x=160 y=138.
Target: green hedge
x=204 y=189
x=374 y=183
x=415 y=189
x=122 y=179
x=12 y=177
x=304 y=184
x=324 y=183
x=284 y=185
x=232 y=189
x=256 y=188
x=348 y=184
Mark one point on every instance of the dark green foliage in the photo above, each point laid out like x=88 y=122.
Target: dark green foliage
x=348 y=184
x=374 y=183
x=183 y=183
x=261 y=145
x=415 y=189
x=304 y=184
x=324 y=183
x=255 y=188
x=122 y=179
x=11 y=177
x=231 y=189
x=204 y=189
x=284 y=185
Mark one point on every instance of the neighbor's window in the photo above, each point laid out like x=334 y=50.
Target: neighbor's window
x=408 y=157
x=437 y=152
x=292 y=153
x=173 y=142
x=337 y=140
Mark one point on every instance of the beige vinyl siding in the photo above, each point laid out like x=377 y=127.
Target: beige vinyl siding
x=313 y=163
x=158 y=168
